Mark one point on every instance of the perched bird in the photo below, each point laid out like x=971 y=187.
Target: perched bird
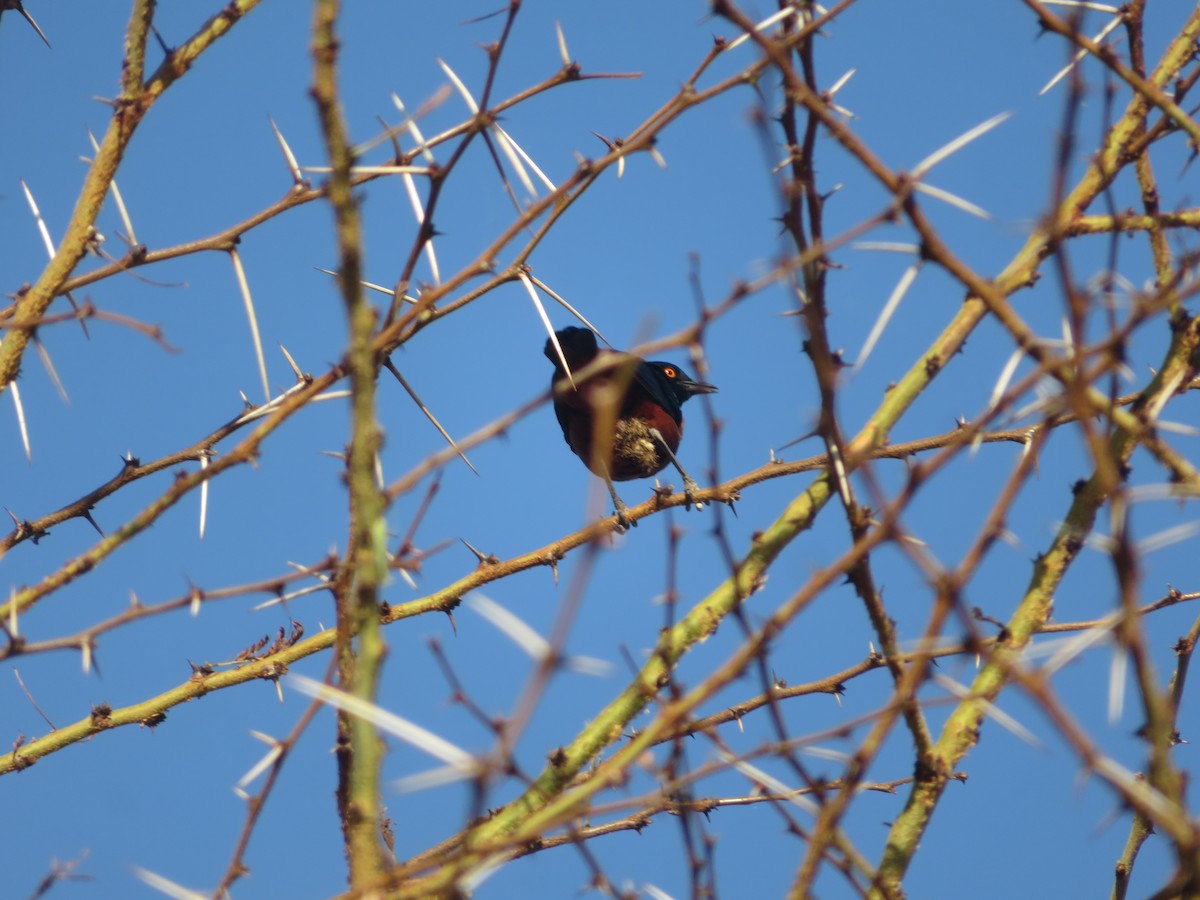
x=625 y=421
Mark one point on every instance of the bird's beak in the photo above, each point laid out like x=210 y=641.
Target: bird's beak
x=691 y=388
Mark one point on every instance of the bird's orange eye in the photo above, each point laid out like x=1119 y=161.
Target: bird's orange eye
x=669 y=371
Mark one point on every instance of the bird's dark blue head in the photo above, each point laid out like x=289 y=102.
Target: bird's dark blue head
x=670 y=386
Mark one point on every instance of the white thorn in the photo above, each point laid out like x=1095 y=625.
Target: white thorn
x=562 y=44
x=166 y=886
x=393 y=724
x=289 y=157
x=954 y=200
x=957 y=144
x=20 y=407
x=37 y=216
x=462 y=88
x=1101 y=35
x=203 y=495
x=1006 y=375
x=248 y=301
x=889 y=309
x=763 y=25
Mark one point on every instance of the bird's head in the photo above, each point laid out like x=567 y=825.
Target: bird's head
x=679 y=382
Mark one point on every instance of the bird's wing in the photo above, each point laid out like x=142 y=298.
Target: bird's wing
x=562 y=413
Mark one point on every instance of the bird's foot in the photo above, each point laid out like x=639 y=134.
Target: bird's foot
x=624 y=523
x=690 y=490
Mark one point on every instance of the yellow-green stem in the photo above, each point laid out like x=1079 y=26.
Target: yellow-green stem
x=360 y=641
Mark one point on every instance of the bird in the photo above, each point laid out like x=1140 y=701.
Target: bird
x=625 y=421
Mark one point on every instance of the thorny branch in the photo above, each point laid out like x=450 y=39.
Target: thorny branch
x=609 y=752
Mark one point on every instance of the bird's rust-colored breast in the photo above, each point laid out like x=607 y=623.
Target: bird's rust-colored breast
x=636 y=454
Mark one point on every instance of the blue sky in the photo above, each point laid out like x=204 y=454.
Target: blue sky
x=206 y=158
